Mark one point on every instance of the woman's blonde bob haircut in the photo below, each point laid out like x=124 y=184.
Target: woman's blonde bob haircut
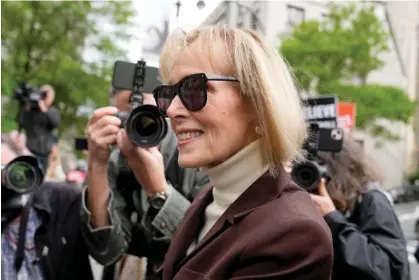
x=265 y=82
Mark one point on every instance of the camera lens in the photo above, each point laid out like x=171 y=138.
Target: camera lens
x=21 y=176
x=145 y=126
x=307 y=175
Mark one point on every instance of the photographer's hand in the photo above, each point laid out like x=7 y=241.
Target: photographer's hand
x=323 y=201
x=101 y=132
x=20 y=143
x=146 y=163
x=42 y=106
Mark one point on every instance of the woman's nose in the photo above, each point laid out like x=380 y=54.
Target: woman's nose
x=176 y=108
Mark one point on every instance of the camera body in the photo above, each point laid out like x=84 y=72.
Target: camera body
x=22 y=176
x=26 y=94
x=309 y=173
x=145 y=125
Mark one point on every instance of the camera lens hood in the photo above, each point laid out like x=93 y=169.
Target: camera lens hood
x=308 y=175
x=146 y=126
x=23 y=175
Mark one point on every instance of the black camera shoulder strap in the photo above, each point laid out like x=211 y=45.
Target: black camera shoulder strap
x=20 y=248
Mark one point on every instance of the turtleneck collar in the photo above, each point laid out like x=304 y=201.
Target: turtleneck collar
x=233 y=176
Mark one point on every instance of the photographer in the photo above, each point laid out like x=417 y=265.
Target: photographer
x=133 y=204
x=39 y=124
x=41 y=237
x=368 y=241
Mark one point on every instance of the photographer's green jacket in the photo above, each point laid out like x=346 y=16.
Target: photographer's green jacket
x=134 y=228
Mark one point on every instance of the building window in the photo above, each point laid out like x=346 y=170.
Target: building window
x=296 y=15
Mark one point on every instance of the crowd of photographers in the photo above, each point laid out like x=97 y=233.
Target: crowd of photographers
x=154 y=206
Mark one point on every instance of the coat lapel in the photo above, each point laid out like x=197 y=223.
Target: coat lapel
x=187 y=232
x=218 y=228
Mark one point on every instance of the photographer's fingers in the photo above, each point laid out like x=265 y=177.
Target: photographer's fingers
x=101 y=112
x=101 y=123
x=154 y=151
x=104 y=142
x=107 y=130
x=123 y=141
x=107 y=120
x=322 y=188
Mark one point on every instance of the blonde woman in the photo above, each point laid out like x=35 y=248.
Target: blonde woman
x=235 y=110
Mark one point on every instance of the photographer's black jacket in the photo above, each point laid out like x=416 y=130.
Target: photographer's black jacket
x=66 y=256
x=39 y=126
x=369 y=245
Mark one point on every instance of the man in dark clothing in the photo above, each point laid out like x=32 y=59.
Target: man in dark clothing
x=41 y=237
x=39 y=125
x=142 y=216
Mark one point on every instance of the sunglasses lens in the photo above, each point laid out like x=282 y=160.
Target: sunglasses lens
x=193 y=92
x=164 y=97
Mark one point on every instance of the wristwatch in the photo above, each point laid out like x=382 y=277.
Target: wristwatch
x=158 y=200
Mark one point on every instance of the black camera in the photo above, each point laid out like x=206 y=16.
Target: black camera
x=309 y=173
x=145 y=125
x=28 y=95
x=22 y=175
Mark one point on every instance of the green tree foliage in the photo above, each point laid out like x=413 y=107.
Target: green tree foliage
x=70 y=45
x=346 y=44
x=413 y=177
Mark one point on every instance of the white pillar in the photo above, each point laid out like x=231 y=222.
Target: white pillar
x=233 y=12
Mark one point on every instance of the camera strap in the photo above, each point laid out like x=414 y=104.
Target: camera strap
x=20 y=247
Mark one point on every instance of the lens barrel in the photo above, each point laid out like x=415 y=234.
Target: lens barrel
x=308 y=175
x=23 y=174
x=146 y=126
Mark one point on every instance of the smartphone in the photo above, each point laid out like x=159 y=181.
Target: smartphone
x=80 y=144
x=324 y=139
x=123 y=76
x=330 y=139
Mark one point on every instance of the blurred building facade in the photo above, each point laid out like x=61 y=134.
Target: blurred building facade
x=401 y=69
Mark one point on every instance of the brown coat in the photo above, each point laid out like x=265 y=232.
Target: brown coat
x=272 y=231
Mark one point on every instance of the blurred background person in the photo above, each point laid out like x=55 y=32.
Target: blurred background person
x=230 y=111
x=368 y=241
x=39 y=125
x=78 y=175
x=55 y=170
x=54 y=148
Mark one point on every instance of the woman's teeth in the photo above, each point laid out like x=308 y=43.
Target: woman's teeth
x=188 y=135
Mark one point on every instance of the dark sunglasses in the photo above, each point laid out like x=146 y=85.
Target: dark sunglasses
x=192 y=91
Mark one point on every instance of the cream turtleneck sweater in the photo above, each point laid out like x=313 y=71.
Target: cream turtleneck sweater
x=230 y=179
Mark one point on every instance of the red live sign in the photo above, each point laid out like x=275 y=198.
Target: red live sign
x=346 y=115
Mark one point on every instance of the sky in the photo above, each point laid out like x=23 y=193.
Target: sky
x=153 y=13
